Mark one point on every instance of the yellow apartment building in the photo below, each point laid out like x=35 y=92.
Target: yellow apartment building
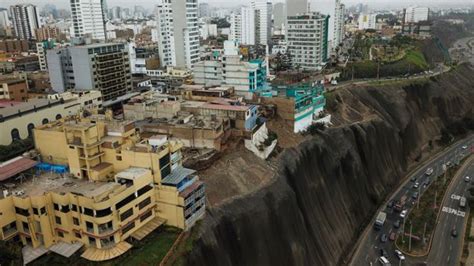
x=118 y=187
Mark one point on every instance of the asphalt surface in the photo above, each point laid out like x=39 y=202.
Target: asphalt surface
x=370 y=244
x=446 y=249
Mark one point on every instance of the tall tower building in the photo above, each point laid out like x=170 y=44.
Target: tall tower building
x=25 y=20
x=339 y=14
x=294 y=7
x=88 y=18
x=279 y=16
x=263 y=13
x=178 y=31
x=4 y=20
x=307 y=38
x=248 y=27
x=235 y=27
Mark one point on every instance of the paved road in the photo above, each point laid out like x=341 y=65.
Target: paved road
x=368 y=250
x=463 y=50
x=446 y=249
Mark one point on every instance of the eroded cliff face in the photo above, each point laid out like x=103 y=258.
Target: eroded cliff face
x=328 y=188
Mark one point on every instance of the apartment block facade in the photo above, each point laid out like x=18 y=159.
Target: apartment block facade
x=307 y=38
x=88 y=18
x=25 y=20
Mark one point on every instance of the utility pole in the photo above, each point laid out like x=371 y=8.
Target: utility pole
x=352 y=71
x=424 y=231
x=403 y=231
x=435 y=196
x=378 y=68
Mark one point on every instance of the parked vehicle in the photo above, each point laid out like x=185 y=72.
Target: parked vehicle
x=454 y=232
x=380 y=220
x=467 y=179
x=429 y=171
x=384 y=261
x=400 y=204
x=415 y=195
x=392 y=237
x=416 y=185
x=462 y=202
x=399 y=254
x=383 y=238
x=403 y=214
x=390 y=204
x=396 y=224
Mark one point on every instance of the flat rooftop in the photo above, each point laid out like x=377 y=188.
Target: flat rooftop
x=59 y=183
x=26 y=106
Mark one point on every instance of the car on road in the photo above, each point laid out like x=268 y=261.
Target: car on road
x=383 y=252
x=415 y=195
x=392 y=236
x=383 y=238
x=429 y=171
x=384 y=261
x=467 y=179
x=399 y=254
x=416 y=185
x=454 y=232
x=464 y=147
x=390 y=204
x=426 y=184
x=403 y=214
x=397 y=223
x=413 y=179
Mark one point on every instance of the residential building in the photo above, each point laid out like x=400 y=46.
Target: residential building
x=295 y=7
x=279 y=17
x=339 y=20
x=235 y=27
x=114 y=186
x=19 y=63
x=208 y=73
x=416 y=14
x=47 y=32
x=17 y=121
x=263 y=21
x=204 y=10
x=307 y=38
x=88 y=18
x=41 y=48
x=141 y=57
x=14 y=46
x=248 y=26
x=4 y=19
x=14 y=89
x=420 y=29
x=367 y=21
x=104 y=67
x=25 y=20
x=179 y=33
x=300 y=104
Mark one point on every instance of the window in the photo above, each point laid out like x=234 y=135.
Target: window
x=45 y=121
x=58 y=116
x=75 y=221
x=103 y=213
x=65 y=209
x=30 y=128
x=57 y=219
x=125 y=201
x=78 y=235
x=146 y=216
x=21 y=211
x=128 y=228
x=56 y=207
x=35 y=211
x=74 y=207
x=15 y=134
x=88 y=211
x=26 y=228
x=60 y=234
x=43 y=210
x=126 y=214
x=143 y=190
x=144 y=203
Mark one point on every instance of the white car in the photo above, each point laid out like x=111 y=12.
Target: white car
x=429 y=171
x=464 y=147
x=403 y=214
x=400 y=255
x=467 y=178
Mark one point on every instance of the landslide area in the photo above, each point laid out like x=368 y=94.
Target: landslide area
x=327 y=188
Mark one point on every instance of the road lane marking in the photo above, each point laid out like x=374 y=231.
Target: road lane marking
x=453 y=211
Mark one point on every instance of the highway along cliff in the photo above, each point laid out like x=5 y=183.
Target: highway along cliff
x=326 y=189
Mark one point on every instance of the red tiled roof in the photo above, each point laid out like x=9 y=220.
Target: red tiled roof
x=190 y=189
x=15 y=166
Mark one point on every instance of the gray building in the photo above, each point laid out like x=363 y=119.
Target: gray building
x=295 y=7
x=25 y=21
x=103 y=67
x=279 y=16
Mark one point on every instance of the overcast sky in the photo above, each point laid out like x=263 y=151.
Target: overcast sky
x=316 y=4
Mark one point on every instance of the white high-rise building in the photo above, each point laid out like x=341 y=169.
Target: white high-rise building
x=248 y=26
x=235 y=27
x=295 y=7
x=339 y=14
x=367 y=21
x=25 y=21
x=307 y=38
x=88 y=18
x=279 y=16
x=263 y=13
x=178 y=31
x=416 y=14
x=4 y=20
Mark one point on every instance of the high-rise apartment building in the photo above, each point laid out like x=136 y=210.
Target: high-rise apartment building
x=25 y=21
x=294 y=7
x=247 y=30
x=416 y=14
x=4 y=20
x=235 y=27
x=307 y=38
x=367 y=21
x=279 y=16
x=103 y=67
x=88 y=18
x=263 y=20
x=339 y=14
x=178 y=32
x=204 y=10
